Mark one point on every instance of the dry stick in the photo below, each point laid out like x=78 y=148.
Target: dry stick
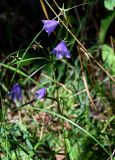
x=85 y=81
x=111 y=157
x=76 y=94
x=68 y=8
x=42 y=128
x=44 y=9
x=79 y=43
x=88 y=54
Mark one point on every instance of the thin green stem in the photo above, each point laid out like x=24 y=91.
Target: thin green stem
x=26 y=53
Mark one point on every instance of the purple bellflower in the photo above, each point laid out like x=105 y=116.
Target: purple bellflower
x=61 y=50
x=40 y=93
x=49 y=25
x=16 y=92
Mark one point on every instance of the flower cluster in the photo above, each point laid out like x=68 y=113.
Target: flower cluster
x=16 y=93
x=61 y=49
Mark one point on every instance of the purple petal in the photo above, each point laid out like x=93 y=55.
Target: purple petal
x=49 y=25
x=61 y=50
x=16 y=92
x=40 y=94
x=59 y=55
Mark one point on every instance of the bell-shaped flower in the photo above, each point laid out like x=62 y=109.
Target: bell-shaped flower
x=16 y=92
x=40 y=93
x=49 y=25
x=61 y=50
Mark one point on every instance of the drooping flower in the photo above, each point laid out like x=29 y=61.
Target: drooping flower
x=16 y=92
x=40 y=93
x=49 y=25
x=61 y=50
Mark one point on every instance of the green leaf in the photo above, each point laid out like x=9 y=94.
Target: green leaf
x=105 y=24
x=108 y=57
x=109 y=4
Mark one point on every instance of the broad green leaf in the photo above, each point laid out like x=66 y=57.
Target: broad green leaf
x=109 y=4
x=105 y=24
x=108 y=57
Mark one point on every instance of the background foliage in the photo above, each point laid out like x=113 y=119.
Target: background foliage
x=77 y=121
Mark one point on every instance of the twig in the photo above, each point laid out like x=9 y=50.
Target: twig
x=85 y=81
